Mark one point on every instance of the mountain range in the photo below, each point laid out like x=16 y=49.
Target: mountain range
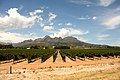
x=57 y=41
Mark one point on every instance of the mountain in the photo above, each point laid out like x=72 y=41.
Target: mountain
x=57 y=41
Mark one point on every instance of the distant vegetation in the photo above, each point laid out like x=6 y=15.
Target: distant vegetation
x=6 y=46
x=62 y=47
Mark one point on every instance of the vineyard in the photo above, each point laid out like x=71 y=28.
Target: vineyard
x=91 y=53
x=21 y=54
x=9 y=55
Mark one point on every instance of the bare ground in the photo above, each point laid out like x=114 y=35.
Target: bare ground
x=105 y=69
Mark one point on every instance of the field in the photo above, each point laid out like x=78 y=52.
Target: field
x=64 y=64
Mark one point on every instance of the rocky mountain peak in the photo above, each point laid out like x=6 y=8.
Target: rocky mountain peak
x=57 y=41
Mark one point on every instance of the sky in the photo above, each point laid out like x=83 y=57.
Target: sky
x=92 y=21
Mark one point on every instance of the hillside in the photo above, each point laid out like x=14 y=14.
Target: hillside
x=57 y=41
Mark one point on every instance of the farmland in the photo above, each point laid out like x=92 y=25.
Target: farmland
x=52 y=64
x=91 y=53
x=44 y=54
x=17 y=54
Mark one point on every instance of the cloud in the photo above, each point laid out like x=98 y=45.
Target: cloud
x=103 y=37
x=117 y=9
x=82 y=39
x=21 y=7
x=63 y=32
x=94 y=17
x=65 y=24
x=83 y=18
x=88 y=3
x=43 y=7
x=46 y=24
x=59 y=24
x=15 y=20
x=32 y=34
x=15 y=37
x=87 y=18
x=116 y=43
x=52 y=16
x=68 y=24
x=48 y=28
x=51 y=24
x=81 y=2
x=36 y=12
x=106 y=3
x=112 y=23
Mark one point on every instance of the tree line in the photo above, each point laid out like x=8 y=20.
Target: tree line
x=2 y=46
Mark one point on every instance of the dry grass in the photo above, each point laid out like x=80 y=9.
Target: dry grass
x=100 y=75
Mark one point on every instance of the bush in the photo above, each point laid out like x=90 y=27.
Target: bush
x=62 y=47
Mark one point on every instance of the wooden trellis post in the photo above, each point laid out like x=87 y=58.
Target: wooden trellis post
x=10 y=69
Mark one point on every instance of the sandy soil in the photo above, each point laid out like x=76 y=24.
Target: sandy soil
x=105 y=69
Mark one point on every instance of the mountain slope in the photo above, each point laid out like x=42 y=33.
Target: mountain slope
x=57 y=41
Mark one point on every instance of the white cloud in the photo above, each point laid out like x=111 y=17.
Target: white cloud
x=117 y=9
x=16 y=20
x=81 y=39
x=42 y=24
x=60 y=24
x=68 y=24
x=36 y=12
x=103 y=37
x=106 y=3
x=52 y=16
x=43 y=7
x=39 y=18
x=80 y=2
x=51 y=24
x=112 y=23
x=48 y=28
x=83 y=18
x=15 y=37
x=88 y=3
x=94 y=18
x=21 y=7
x=47 y=25
x=87 y=18
x=68 y=32
x=33 y=34
x=116 y=43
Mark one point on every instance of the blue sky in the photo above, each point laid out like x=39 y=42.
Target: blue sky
x=93 y=21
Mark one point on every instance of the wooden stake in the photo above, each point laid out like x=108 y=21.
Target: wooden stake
x=10 y=69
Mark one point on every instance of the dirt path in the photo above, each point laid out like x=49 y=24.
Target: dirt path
x=59 y=58
x=108 y=71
